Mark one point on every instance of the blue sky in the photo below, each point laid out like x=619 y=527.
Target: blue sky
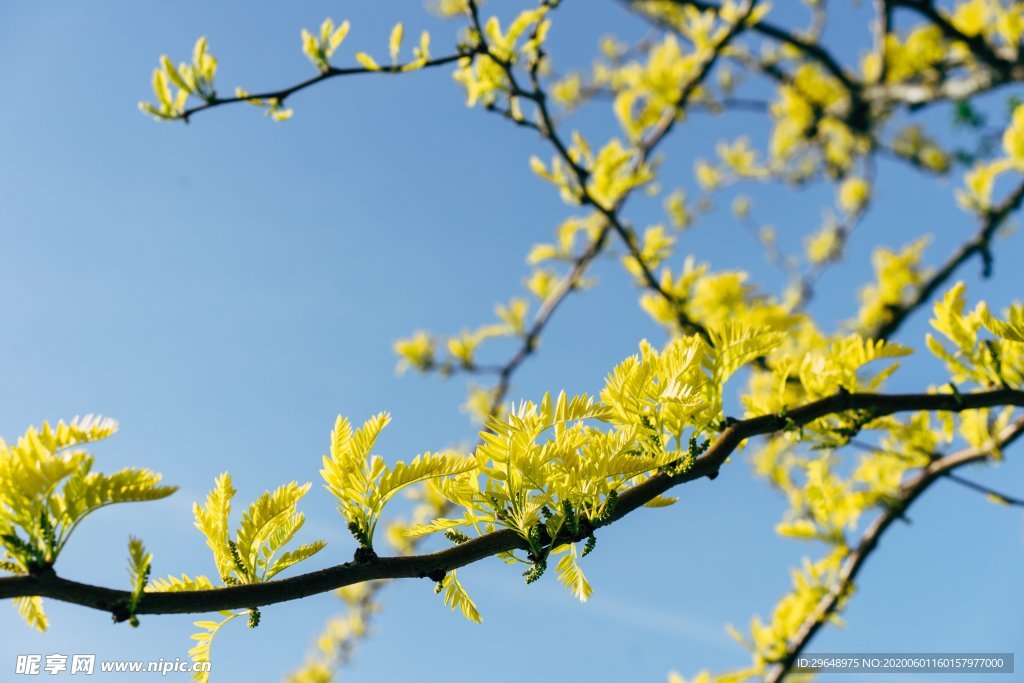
x=225 y=289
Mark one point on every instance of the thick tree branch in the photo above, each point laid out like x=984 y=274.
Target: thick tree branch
x=910 y=492
x=49 y=585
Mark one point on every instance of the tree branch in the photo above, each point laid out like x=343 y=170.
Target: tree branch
x=568 y=284
x=916 y=95
x=281 y=95
x=813 y=50
x=883 y=27
x=978 y=46
x=990 y=493
x=646 y=148
x=49 y=585
x=909 y=493
x=980 y=245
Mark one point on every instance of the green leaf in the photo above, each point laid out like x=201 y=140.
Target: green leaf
x=455 y=596
x=139 y=566
x=434 y=526
x=269 y=514
x=293 y=557
x=421 y=468
x=736 y=344
x=31 y=610
x=173 y=584
x=364 y=484
x=570 y=575
x=1012 y=329
x=212 y=521
x=86 y=492
x=200 y=652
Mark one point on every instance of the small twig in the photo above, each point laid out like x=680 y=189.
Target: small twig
x=998 y=497
x=281 y=95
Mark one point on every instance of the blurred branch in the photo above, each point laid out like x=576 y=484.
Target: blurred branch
x=567 y=286
x=813 y=50
x=976 y=44
x=538 y=96
x=980 y=246
x=990 y=493
x=909 y=492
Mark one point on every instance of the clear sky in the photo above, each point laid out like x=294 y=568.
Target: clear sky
x=225 y=289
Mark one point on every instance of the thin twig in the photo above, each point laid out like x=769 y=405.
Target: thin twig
x=279 y=96
x=989 y=492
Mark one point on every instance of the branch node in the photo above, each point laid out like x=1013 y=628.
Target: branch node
x=120 y=614
x=41 y=570
x=364 y=555
x=987 y=261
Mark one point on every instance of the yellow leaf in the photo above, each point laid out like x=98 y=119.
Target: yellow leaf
x=338 y=36
x=395 y=43
x=281 y=114
x=571 y=576
x=199 y=51
x=455 y=596
x=212 y=521
x=854 y=194
x=173 y=73
x=367 y=61
x=31 y=610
